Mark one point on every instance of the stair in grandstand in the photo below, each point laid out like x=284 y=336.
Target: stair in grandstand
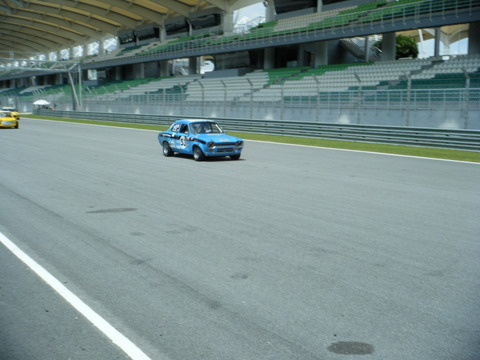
x=275 y=77
x=356 y=47
x=33 y=89
x=444 y=74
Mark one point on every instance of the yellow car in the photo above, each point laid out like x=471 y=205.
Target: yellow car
x=12 y=110
x=8 y=120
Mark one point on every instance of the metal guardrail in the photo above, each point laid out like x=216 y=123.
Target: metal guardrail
x=429 y=137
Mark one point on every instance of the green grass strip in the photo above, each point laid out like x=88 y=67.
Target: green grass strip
x=428 y=152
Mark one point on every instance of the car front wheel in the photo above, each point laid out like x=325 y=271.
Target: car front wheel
x=235 y=157
x=167 y=150
x=198 y=154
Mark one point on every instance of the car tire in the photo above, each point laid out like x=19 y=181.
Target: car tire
x=16 y=125
x=198 y=154
x=235 y=157
x=167 y=150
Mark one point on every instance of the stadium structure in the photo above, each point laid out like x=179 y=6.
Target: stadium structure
x=327 y=61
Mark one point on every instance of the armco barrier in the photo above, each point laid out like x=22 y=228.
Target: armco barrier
x=444 y=138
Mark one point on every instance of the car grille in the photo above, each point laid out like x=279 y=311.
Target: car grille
x=225 y=150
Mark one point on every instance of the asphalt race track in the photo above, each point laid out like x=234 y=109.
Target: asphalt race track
x=289 y=253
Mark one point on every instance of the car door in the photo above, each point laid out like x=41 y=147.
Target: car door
x=174 y=137
x=182 y=140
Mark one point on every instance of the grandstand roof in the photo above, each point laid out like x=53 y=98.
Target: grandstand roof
x=40 y=26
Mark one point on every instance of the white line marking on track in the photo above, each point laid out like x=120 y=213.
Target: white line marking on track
x=368 y=152
x=113 y=334
x=299 y=145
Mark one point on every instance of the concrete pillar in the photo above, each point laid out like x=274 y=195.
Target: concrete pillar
x=101 y=47
x=269 y=58
x=118 y=73
x=473 y=38
x=139 y=70
x=164 y=68
x=163 y=33
x=302 y=54
x=366 y=49
x=389 y=46
x=436 y=50
x=58 y=79
x=193 y=65
x=71 y=53
x=319 y=5
x=228 y=22
x=321 y=53
x=270 y=12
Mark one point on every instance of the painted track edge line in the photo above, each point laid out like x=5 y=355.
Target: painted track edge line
x=127 y=346
x=368 y=152
x=287 y=144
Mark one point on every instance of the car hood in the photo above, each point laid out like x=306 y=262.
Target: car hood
x=218 y=138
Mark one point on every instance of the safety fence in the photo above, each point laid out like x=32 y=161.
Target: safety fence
x=444 y=138
x=425 y=108
x=437 y=108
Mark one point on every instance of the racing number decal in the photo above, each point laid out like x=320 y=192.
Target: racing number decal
x=183 y=142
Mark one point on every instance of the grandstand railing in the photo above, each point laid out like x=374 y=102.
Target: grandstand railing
x=350 y=23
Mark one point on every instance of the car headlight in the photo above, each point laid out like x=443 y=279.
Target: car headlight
x=211 y=145
x=239 y=143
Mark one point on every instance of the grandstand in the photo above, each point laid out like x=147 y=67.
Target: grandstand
x=292 y=66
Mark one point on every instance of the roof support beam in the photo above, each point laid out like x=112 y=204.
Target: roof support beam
x=47 y=40
x=40 y=10
x=82 y=21
x=175 y=6
x=20 y=46
x=95 y=33
x=31 y=44
x=97 y=12
x=140 y=10
x=52 y=31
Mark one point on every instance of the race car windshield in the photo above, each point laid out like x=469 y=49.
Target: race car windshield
x=205 y=128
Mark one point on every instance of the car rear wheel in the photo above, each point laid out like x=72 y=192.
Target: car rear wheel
x=198 y=154
x=167 y=150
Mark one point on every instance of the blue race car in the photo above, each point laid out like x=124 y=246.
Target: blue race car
x=200 y=138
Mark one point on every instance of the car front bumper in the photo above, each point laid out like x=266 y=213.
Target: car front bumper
x=8 y=123
x=223 y=151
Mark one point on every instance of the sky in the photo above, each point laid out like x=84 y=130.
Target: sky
x=253 y=11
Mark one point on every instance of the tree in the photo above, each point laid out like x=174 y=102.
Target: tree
x=406 y=47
